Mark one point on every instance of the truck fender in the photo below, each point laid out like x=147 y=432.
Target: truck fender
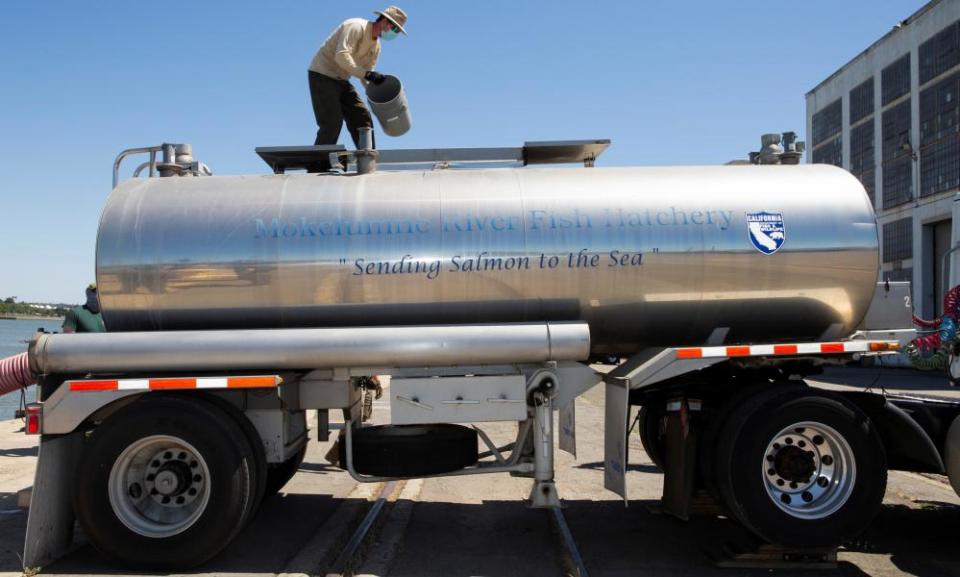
x=952 y=452
x=907 y=444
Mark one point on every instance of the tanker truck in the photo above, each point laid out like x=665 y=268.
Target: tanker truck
x=483 y=281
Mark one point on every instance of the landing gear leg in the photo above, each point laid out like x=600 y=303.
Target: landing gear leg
x=544 y=494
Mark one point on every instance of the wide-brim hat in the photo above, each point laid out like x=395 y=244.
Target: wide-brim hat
x=395 y=15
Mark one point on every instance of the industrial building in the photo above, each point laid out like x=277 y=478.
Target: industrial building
x=890 y=116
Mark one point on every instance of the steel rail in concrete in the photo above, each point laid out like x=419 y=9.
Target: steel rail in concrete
x=570 y=549
x=344 y=562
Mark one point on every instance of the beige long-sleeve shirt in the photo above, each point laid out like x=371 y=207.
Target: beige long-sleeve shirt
x=351 y=50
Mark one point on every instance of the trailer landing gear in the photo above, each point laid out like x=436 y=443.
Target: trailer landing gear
x=544 y=494
x=373 y=454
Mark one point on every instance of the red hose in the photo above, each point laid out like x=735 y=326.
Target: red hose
x=925 y=323
x=15 y=373
x=951 y=300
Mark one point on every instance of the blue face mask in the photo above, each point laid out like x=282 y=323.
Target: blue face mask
x=388 y=35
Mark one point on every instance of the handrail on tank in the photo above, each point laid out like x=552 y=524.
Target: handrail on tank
x=153 y=150
x=139 y=169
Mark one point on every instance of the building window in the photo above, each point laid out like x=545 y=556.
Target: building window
x=827 y=125
x=829 y=153
x=940 y=53
x=861 y=101
x=939 y=137
x=861 y=157
x=827 y=122
x=895 y=80
x=897 y=159
x=898 y=241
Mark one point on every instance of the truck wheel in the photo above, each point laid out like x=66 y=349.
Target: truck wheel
x=280 y=474
x=953 y=369
x=648 y=424
x=165 y=484
x=802 y=469
x=259 y=469
x=717 y=417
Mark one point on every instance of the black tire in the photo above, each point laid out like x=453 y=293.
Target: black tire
x=411 y=450
x=648 y=425
x=222 y=449
x=847 y=502
x=280 y=474
x=716 y=418
x=259 y=470
x=953 y=368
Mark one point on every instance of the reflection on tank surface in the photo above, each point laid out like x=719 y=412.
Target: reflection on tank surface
x=644 y=255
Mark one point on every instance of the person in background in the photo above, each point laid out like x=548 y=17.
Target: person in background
x=85 y=318
x=351 y=50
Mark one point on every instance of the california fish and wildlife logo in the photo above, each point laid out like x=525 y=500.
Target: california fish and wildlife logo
x=766 y=231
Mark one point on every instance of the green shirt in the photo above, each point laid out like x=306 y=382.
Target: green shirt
x=81 y=320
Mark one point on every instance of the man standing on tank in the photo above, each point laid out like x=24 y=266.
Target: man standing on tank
x=351 y=50
x=85 y=318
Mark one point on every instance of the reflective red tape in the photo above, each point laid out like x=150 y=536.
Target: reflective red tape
x=791 y=349
x=689 y=353
x=250 y=382
x=94 y=385
x=168 y=384
x=185 y=383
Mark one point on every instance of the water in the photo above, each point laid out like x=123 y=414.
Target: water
x=13 y=335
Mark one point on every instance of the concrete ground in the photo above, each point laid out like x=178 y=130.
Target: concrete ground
x=480 y=526
x=18 y=459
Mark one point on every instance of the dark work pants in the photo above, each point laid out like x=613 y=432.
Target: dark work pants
x=334 y=101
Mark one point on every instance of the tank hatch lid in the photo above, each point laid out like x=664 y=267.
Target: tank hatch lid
x=283 y=158
x=562 y=151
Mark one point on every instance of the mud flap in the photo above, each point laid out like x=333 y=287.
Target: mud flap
x=50 y=521
x=617 y=413
x=568 y=428
x=952 y=453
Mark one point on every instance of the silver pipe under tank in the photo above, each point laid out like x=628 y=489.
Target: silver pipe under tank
x=277 y=349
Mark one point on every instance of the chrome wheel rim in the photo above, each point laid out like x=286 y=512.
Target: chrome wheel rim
x=808 y=470
x=159 y=486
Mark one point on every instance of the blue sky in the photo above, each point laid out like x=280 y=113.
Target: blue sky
x=692 y=82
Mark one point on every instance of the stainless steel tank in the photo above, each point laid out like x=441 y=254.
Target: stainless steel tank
x=646 y=256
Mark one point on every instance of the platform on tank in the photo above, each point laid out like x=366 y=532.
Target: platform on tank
x=281 y=159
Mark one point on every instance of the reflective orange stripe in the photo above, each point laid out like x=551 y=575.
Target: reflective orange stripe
x=831 y=348
x=177 y=383
x=161 y=384
x=93 y=385
x=784 y=349
x=689 y=353
x=250 y=382
x=738 y=351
